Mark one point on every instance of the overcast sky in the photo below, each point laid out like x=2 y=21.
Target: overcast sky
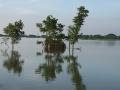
x=104 y=16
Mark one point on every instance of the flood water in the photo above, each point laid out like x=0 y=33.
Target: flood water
x=94 y=66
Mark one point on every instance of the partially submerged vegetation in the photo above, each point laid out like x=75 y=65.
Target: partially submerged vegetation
x=14 y=32
x=53 y=34
x=74 y=30
x=54 y=46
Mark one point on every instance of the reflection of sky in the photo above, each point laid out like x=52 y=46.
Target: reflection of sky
x=103 y=17
x=100 y=64
x=99 y=61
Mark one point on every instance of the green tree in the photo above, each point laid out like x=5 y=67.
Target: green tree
x=80 y=18
x=72 y=35
x=51 y=27
x=73 y=30
x=14 y=31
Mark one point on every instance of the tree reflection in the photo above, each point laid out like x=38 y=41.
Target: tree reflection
x=73 y=70
x=53 y=61
x=13 y=62
x=51 y=66
x=110 y=43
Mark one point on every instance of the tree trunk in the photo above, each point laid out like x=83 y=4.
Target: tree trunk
x=69 y=51
x=72 y=49
x=12 y=46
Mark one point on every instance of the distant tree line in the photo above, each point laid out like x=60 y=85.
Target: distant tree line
x=81 y=36
x=99 y=37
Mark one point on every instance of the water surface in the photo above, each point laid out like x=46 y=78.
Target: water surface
x=95 y=66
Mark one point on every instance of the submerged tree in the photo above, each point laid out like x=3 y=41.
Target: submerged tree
x=51 y=27
x=14 y=31
x=73 y=30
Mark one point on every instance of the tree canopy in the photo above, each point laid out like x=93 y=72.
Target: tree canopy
x=14 y=31
x=51 y=27
x=79 y=19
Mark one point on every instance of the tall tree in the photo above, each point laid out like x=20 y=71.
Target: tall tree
x=79 y=19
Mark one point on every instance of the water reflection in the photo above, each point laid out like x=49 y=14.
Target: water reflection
x=53 y=65
x=110 y=43
x=53 y=60
x=13 y=63
x=73 y=70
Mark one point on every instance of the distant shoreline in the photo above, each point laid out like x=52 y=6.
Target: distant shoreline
x=99 y=37
x=82 y=37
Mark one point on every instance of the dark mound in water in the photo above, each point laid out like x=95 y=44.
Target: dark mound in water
x=54 y=46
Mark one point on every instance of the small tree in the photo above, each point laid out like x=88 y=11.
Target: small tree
x=51 y=27
x=14 y=31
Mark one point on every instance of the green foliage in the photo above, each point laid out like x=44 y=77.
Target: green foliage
x=81 y=15
x=78 y=20
x=51 y=27
x=72 y=34
x=14 y=31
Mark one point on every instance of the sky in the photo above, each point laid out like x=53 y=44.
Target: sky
x=104 y=15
